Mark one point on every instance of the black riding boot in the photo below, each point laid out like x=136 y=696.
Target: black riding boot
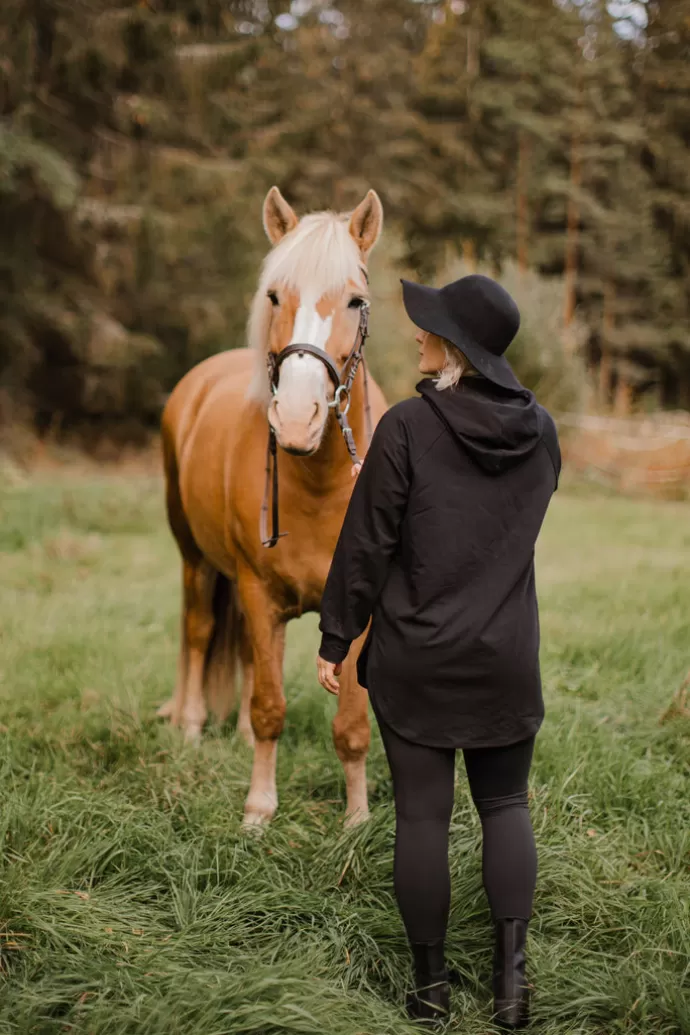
x=429 y=1003
x=511 y=995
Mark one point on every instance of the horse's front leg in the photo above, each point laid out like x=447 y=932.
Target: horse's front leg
x=266 y=634
x=351 y=737
x=244 y=719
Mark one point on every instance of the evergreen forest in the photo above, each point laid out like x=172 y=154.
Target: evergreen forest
x=544 y=141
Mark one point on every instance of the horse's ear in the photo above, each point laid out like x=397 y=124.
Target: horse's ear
x=279 y=217
x=366 y=222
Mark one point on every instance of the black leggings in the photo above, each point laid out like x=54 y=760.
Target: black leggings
x=423 y=783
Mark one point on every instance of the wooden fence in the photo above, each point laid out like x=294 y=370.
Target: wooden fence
x=649 y=455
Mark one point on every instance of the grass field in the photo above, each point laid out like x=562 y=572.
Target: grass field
x=130 y=899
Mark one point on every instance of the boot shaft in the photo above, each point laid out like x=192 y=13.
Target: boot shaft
x=429 y=1003
x=429 y=962
x=511 y=994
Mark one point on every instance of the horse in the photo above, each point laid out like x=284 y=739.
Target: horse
x=287 y=388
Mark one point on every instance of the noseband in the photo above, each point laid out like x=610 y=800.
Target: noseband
x=342 y=381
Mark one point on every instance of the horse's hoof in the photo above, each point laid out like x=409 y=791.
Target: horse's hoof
x=255 y=822
x=166 y=710
x=192 y=734
x=356 y=818
x=259 y=809
x=247 y=735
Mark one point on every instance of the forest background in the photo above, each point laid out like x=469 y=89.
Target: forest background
x=544 y=141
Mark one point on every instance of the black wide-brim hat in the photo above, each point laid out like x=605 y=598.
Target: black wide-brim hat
x=476 y=315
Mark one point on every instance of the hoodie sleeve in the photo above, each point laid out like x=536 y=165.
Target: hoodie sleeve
x=368 y=539
x=550 y=440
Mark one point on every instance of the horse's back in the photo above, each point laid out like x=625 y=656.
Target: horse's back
x=231 y=370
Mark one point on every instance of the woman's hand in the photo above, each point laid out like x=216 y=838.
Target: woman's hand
x=328 y=671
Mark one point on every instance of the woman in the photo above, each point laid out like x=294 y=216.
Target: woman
x=437 y=548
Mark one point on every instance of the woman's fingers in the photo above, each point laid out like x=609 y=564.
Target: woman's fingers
x=328 y=682
x=327 y=675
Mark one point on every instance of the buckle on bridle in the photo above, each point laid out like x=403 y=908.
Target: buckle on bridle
x=340 y=391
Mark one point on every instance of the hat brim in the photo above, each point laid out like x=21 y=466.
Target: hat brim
x=426 y=308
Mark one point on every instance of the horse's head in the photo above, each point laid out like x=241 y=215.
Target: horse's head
x=312 y=286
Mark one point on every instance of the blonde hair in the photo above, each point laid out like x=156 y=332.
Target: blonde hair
x=457 y=366
x=319 y=255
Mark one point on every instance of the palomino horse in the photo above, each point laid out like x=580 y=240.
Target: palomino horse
x=237 y=594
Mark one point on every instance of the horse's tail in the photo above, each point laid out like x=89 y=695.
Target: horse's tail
x=224 y=652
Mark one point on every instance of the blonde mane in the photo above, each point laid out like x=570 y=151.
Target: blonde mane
x=320 y=256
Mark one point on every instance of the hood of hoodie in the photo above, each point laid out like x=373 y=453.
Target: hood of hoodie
x=498 y=428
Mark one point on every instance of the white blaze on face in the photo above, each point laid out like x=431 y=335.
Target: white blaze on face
x=303 y=379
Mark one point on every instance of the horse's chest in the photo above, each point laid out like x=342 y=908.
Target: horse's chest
x=300 y=569
x=294 y=571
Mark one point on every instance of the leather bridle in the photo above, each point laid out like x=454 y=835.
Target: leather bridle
x=342 y=381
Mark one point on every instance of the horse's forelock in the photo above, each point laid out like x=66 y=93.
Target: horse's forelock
x=317 y=257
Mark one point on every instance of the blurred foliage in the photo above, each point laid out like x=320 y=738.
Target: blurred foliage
x=137 y=140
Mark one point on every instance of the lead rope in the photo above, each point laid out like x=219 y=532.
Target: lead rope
x=271 y=460
x=367 y=404
x=356 y=462
x=357 y=357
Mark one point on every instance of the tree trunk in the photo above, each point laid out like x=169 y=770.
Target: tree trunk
x=572 y=231
x=472 y=53
x=522 y=221
x=43 y=18
x=604 y=393
x=469 y=254
x=623 y=400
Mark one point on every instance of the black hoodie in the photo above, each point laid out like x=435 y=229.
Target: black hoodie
x=437 y=547
x=499 y=429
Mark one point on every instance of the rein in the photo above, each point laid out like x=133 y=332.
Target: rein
x=342 y=381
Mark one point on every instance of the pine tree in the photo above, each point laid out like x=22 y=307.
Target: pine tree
x=494 y=82
x=463 y=156
x=617 y=261
x=137 y=141
x=329 y=111
x=661 y=78
x=120 y=235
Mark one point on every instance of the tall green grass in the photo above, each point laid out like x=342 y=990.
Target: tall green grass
x=132 y=902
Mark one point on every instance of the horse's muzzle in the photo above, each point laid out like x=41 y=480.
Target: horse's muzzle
x=293 y=451
x=295 y=435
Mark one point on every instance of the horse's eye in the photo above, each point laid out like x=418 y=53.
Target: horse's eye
x=273 y=297
x=355 y=303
